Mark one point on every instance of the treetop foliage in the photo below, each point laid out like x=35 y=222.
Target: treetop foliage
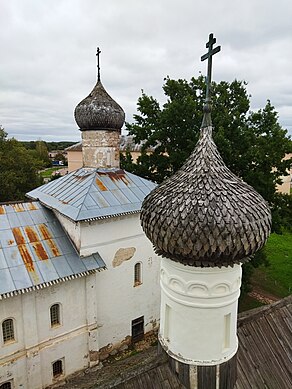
x=252 y=144
x=18 y=169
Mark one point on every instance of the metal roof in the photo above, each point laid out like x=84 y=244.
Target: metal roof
x=89 y=193
x=35 y=251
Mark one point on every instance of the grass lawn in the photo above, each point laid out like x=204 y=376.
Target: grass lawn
x=247 y=303
x=276 y=279
x=48 y=172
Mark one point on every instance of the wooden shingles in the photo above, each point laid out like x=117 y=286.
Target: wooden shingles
x=265 y=347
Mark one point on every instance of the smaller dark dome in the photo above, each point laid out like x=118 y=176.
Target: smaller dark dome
x=98 y=111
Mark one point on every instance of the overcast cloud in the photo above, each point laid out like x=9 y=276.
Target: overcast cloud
x=48 y=61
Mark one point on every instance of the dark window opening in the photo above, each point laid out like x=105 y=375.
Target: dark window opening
x=138 y=329
x=55 y=315
x=6 y=385
x=138 y=274
x=8 y=330
x=57 y=368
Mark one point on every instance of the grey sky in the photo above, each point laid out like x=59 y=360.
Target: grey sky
x=48 y=61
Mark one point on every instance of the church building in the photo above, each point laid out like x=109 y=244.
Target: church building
x=79 y=281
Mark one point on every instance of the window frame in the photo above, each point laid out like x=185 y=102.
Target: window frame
x=137 y=329
x=57 y=375
x=4 y=383
x=58 y=323
x=138 y=274
x=11 y=339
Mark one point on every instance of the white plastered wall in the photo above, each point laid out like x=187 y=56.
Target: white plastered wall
x=121 y=244
x=199 y=312
x=28 y=360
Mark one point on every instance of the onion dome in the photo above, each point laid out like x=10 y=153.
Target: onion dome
x=204 y=215
x=98 y=111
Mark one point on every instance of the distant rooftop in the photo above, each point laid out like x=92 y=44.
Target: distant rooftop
x=35 y=251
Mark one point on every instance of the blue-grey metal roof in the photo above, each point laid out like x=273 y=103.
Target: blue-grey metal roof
x=35 y=251
x=89 y=193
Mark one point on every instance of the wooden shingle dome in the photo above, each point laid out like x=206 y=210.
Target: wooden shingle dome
x=204 y=215
x=98 y=111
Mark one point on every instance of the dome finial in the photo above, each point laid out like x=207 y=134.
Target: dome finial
x=207 y=107
x=98 y=67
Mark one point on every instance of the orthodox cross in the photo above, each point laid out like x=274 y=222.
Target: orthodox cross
x=208 y=55
x=98 y=68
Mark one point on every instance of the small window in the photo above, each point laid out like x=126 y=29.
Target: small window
x=6 y=385
x=57 y=368
x=55 y=315
x=138 y=274
x=8 y=331
x=138 y=329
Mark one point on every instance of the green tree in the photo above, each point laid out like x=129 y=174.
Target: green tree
x=18 y=169
x=252 y=144
x=42 y=153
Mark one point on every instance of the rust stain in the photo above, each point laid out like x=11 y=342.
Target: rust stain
x=26 y=257
x=44 y=231
x=125 y=181
x=40 y=251
x=53 y=247
x=31 y=207
x=2 y=210
x=10 y=242
x=19 y=238
x=18 y=207
x=116 y=176
x=31 y=234
x=100 y=185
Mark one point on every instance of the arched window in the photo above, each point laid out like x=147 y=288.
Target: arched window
x=8 y=330
x=6 y=385
x=138 y=274
x=57 y=368
x=55 y=315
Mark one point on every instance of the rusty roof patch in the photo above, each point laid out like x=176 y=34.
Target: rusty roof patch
x=53 y=247
x=40 y=251
x=45 y=233
x=100 y=185
x=2 y=210
x=31 y=206
x=19 y=238
x=31 y=234
x=35 y=250
x=26 y=257
x=18 y=207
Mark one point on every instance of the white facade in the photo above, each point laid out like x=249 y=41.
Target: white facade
x=96 y=312
x=199 y=312
x=27 y=360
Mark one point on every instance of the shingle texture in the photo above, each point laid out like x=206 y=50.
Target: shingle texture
x=204 y=215
x=98 y=111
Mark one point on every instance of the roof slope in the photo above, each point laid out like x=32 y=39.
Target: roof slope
x=265 y=347
x=35 y=251
x=89 y=193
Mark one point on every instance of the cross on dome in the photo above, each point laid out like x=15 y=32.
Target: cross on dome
x=98 y=67
x=208 y=55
